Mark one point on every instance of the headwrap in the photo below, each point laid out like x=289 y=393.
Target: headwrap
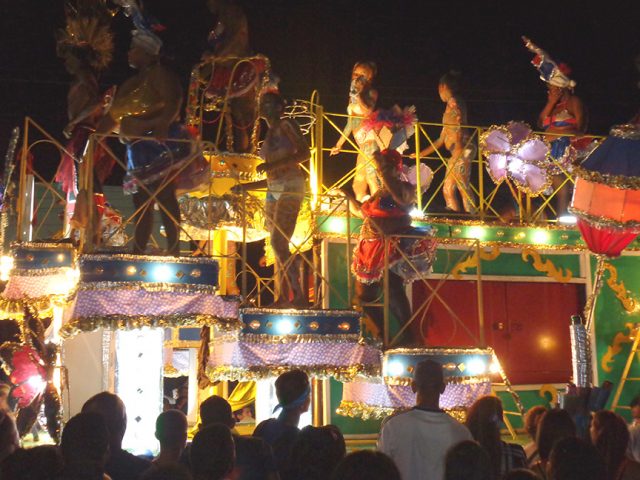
x=298 y=402
x=550 y=72
x=147 y=41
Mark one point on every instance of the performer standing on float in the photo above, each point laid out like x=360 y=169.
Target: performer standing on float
x=564 y=114
x=86 y=46
x=454 y=138
x=386 y=214
x=362 y=102
x=148 y=105
x=284 y=149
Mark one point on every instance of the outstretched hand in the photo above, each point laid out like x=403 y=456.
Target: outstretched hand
x=334 y=151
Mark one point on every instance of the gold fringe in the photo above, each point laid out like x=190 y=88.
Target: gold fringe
x=149 y=287
x=132 y=322
x=110 y=258
x=41 y=307
x=264 y=338
x=405 y=381
x=366 y=412
x=261 y=372
x=621 y=182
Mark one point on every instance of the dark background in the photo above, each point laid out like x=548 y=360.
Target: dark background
x=313 y=45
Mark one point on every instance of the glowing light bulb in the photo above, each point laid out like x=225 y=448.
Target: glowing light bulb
x=284 y=326
x=476 y=232
x=395 y=368
x=6 y=265
x=540 y=236
x=567 y=219
x=416 y=213
x=162 y=273
x=476 y=366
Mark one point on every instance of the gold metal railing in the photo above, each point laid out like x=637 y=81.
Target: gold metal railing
x=529 y=209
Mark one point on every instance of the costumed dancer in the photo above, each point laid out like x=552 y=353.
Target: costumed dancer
x=284 y=149
x=362 y=102
x=385 y=214
x=86 y=45
x=564 y=114
x=148 y=105
x=229 y=39
x=455 y=139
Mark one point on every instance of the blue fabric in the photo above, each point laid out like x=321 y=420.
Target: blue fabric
x=142 y=153
x=615 y=156
x=558 y=147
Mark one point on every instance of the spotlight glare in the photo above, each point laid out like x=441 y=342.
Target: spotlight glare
x=6 y=265
x=284 y=326
x=476 y=232
x=416 y=213
x=395 y=369
x=540 y=236
x=476 y=366
x=162 y=273
x=567 y=219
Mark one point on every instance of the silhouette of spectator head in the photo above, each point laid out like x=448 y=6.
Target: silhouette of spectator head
x=212 y=453
x=112 y=409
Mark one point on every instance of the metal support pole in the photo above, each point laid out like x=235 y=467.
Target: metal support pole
x=481 y=336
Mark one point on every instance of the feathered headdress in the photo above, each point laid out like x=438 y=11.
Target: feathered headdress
x=550 y=72
x=88 y=32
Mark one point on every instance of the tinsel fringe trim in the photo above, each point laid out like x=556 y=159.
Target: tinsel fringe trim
x=621 y=182
x=365 y=411
x=265 y=338
x=261 y=372
x=110 y=258
x=149 y=287
x=132 y=322
x=606 y=223
x=41 y=307
x=39 y=272
x=405 y=382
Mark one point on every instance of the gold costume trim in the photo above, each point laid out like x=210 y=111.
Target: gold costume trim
x=344 y=374
x=132 y=322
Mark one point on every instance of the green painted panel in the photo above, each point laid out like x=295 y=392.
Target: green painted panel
x=506 y=264
x=348 y=425
x=611 y=319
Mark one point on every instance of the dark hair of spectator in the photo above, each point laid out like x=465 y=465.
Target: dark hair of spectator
x=483 y=421
x=574 y=459
x=290 y=386
x=317 y=451
x=366 y=465
x=467 y=461
x=611 y=437
x=212 y=453
x=166 y=472
x=532 y=420
x=553 y=426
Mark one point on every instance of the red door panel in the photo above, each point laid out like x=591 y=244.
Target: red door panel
x=526 y=323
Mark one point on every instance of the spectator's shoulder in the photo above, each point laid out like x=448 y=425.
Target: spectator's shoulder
x=398 y=416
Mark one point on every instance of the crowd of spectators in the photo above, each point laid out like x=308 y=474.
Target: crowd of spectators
x=420 y=443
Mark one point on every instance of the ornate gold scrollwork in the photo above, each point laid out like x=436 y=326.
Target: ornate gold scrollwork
x=546 y=266
x=472 y=261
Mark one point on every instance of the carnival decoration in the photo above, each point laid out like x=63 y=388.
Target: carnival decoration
x=606 y=200
x=7 y=185
x=324 y=343
x=43 y=276
x=513 y=152
x=122 y=292
x=468 y=375
x=390 y=128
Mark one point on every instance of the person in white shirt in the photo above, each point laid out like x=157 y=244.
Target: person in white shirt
x=418 y=439
x=633 y=450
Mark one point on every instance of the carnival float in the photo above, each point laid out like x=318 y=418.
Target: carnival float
x=387 y=279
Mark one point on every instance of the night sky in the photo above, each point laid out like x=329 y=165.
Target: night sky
x=313 y=45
